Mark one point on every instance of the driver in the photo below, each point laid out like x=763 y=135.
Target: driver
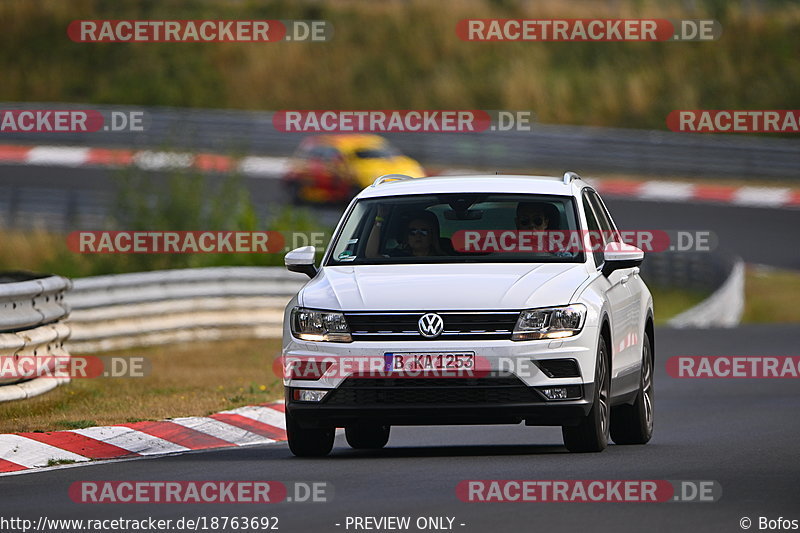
x=421 y=234
x=418 y=236
x=532 y=216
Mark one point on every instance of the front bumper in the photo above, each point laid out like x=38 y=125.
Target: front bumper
x=433 y=404
x=535 y=412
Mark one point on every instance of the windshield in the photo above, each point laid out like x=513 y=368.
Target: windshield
x=455 y=228
x=382 y=152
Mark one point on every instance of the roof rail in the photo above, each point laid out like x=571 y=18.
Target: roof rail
x=569 y=176
x=390 y=177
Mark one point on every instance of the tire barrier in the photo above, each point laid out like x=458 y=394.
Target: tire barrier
x=32 y=331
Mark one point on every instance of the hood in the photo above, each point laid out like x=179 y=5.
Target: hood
x=446 y=287
x=366 y=170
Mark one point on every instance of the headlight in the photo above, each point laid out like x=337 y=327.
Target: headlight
x=311 y=325
x=549 y=323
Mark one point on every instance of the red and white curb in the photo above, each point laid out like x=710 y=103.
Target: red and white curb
x=678 y=191
x=672 y=191
x=274 y=167
x=74 y=156
x=245 y=426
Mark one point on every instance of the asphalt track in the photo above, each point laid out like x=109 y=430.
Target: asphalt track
x=742 y=433
x=759 y=235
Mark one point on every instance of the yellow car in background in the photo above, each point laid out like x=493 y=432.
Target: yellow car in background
x=333 y=168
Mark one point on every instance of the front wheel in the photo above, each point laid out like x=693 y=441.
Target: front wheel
x=305 y=442
x=633 y=424
x=591 y=433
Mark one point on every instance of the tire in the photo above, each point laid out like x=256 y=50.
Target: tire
x=305 y=442
x=633 y=424
x=592 y=432
x=293 y=192
x=367 y=437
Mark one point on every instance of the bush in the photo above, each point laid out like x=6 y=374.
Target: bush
x=186 y=201
x=405 y=54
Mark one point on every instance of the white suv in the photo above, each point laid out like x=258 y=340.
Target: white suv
x=436 y=304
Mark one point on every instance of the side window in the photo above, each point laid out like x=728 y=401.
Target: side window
x=594 y=229
x=333 y=154
x=609 y=230
x=324 y=153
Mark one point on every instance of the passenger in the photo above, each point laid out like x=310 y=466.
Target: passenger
x=419 y=236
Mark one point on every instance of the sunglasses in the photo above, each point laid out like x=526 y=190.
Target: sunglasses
x=536 y=220
x=418 y=231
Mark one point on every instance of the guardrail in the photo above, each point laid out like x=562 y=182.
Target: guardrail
x=719 y=271
x=32 y=310
x=723 y=308
x=149 y=308
x=547 y=147
x=141 y=309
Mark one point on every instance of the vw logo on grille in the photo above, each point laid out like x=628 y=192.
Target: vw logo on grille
x=430 y=325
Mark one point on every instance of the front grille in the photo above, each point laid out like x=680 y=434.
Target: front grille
x=559 y=368
x=388 y=326
x=502 y=389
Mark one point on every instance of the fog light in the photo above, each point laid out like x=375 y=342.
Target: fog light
x=306 y=395
x=567 y=392
x=555 y=393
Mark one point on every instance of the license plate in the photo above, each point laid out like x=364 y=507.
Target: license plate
x=423 y=361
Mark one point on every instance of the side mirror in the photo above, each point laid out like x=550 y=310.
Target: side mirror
x=619 y=255
x=301 y=260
